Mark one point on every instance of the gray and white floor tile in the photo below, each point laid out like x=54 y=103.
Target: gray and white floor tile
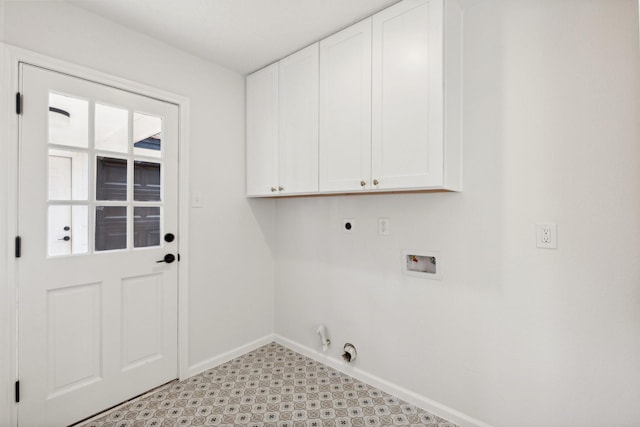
x=272 y=386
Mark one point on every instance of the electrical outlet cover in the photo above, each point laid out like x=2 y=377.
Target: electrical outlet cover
x=383 y=226
x=546 y=235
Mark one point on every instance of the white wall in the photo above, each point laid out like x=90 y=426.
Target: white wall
x=231 y=264
x=512 y=335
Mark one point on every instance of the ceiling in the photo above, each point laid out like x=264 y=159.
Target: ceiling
x=243 y=35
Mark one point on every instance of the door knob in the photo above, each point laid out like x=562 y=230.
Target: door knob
x=65 y=238
x=375 y=182
x=168 y=258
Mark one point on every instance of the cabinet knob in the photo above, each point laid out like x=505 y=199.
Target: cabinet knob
x=280 y=188
x=273 y=189
x=375 y=182
x=362 y=183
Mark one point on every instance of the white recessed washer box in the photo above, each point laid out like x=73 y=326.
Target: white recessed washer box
x=419 y=263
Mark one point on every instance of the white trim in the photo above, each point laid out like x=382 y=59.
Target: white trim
x=8 y=230
x=183 y=241
x=229 y=355
x=5 y=346
x=436 y=408
x=12 y=57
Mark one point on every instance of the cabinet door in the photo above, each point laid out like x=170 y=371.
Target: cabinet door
x=298 y=128
x=262 y=132
x=407 y=103
x=345 y=109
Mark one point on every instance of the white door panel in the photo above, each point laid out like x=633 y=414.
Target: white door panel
x=98 y=318
x=262 y=132
x=345 y=109
x=298 y=122
x=407 y=103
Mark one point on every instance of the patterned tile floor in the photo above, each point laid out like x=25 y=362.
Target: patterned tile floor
x=269 y=387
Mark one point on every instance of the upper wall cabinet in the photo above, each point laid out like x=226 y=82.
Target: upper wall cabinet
x=298 y=122
x=282 y=126
x=345 y=109
x=408 y=133
x=389 y=108
x=262 y=132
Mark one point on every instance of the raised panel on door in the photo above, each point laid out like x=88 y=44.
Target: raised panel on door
x=141 y=320
x=74 y=332
x=298 y=122
x=262 y=132
x=407 y=102
x=345 y=109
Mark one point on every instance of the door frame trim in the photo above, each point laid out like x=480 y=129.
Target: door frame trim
x=11 y=56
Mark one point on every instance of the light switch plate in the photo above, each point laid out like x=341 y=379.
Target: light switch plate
x=196 y=199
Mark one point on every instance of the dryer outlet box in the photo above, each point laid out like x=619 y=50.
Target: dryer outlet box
x=348 y=225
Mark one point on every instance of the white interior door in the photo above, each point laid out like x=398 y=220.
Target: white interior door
x=98 y=199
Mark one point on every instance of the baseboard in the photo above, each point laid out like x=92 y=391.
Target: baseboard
x=229 y=355
x=436 y=408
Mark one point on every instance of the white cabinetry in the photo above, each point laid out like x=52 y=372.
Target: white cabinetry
x=345 y=109
x=298 y=122
x=282 y=126
x=262 y=132
x=387 y=92
x=411 y=148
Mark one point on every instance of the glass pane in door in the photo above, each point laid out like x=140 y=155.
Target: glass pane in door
x=146 y=181
x=112 y=128
x=111 y=228
x=68 y=175
x=147 y=135
x=68 y=121
x=67 y=230
x=111 y=178
x=146 y=226
x=79 y=229
x=59 y=177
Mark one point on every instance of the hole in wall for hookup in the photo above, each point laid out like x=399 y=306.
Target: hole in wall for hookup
x=350 y=353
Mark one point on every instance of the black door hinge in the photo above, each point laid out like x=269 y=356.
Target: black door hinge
x=18 y=103
x=17 y=391
x=18 y=246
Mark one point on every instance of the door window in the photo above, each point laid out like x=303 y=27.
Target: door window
x=104 y=184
